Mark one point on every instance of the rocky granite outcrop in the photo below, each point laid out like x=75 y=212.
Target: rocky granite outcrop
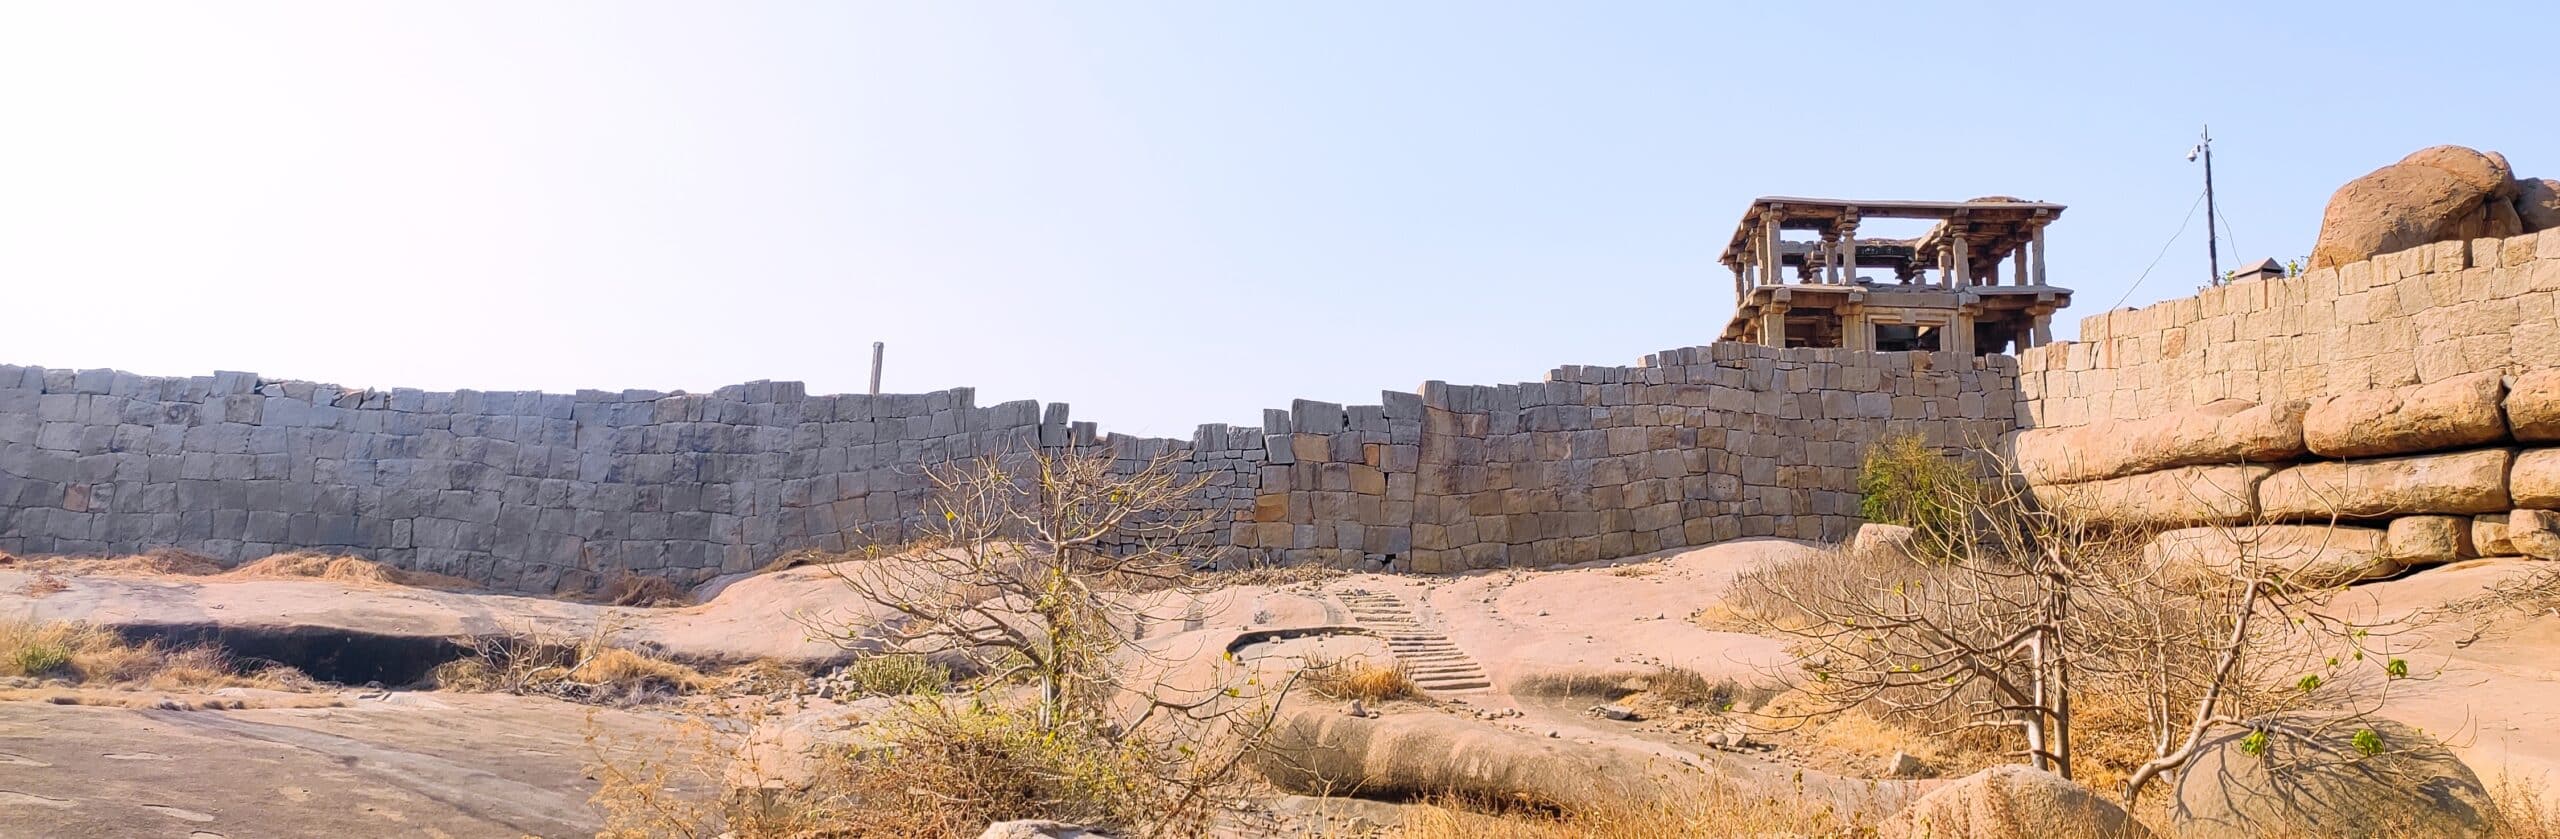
x=2438 y=194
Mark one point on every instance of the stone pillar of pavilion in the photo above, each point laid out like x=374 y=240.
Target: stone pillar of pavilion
x=1855 y=332
x=2035 y=241
x=2018 y=262
x=1773 y=324
x=1770 y=261
x=1959 y=337
x=1963 y=257
x=1830 y=257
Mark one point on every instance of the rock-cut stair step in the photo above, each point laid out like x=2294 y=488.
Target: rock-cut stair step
x=1435 y=663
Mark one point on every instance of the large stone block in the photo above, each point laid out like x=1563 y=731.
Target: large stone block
x=2457 y=483
x=2533 y=405
x=2428 y=540
x=2456 y=412
x=2535 y=479
x=2189 y=495
x=2303 y=556
x=2224 y=432
x=2535 y=533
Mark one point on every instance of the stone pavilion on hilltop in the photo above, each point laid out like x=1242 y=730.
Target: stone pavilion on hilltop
x=1808 y=292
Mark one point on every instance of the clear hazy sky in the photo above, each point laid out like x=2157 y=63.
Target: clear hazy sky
x=1165 y=213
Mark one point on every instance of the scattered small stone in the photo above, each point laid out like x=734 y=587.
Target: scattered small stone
x=1357 y=709
x=1553 y=734
x=1902 y=765
x=1620 y=713
x=173 y=705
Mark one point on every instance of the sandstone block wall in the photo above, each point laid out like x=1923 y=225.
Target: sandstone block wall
x=2415 y=390
x=538 y=491
x=2418 y=316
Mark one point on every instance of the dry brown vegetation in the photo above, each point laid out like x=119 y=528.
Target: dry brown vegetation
x=1358 y=678
x=81 y=654
x=587 y=670
x=173 y=562
x=644 y=592
x=344 y=569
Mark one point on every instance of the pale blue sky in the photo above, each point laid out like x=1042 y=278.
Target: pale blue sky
x=1164 y=213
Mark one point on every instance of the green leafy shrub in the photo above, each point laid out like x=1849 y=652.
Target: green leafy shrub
x=1907 y=482
x=893 y=674
x=40 y=659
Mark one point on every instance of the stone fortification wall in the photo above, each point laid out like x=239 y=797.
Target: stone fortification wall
x=520 y=490
x=540 y=491
x=1694 y=446
x=2421 y=315
x=2415 y=397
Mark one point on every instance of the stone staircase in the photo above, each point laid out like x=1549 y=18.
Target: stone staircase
x=1435 y=663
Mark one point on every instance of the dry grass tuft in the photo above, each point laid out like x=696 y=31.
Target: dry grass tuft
x=42 y=584
x=1607 y=687
x=344 y=569
x=645 y=592
x=1359 y=678
x=1690 y=689
x=589 y=671
x=87 y=655
x=170 y=562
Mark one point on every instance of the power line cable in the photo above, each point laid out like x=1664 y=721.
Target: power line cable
x=2164 y=252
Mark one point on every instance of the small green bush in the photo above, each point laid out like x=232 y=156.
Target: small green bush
x=40 y=659
x=1905 y=481
x=893 y=674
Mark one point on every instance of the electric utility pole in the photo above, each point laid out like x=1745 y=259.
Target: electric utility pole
x=2212 y=238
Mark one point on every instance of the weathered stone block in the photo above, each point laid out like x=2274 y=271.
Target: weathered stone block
x=2535 y=533
x=2223 y=432
x=2303 y=556
x=2425 y=540
x=2188 y=495
x=2458 y=411
x=2535 y=479
x=2533 y=404
x=2461 y=482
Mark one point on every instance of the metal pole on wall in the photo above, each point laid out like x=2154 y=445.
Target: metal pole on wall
x=2212 y=241
x=878 y=348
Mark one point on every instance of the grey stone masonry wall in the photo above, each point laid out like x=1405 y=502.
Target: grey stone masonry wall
x=1695 y=446
x=548 y=492
x=519 y=490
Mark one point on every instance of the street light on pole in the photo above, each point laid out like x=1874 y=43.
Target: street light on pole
x=2212 y=241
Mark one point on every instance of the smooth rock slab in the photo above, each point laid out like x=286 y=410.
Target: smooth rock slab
x=2457 y=483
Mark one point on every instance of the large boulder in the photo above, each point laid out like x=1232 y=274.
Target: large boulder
x=2538 y=204
x=2533 y=406
x=2221 y=432
x=1884 y=539
x=2440 y=194
x=2307 y=556
x=2310 y=776
x=2535 y=479
x=2453 y=413
x=2171 y=498
x=2009 y=801
x=2439 y=484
